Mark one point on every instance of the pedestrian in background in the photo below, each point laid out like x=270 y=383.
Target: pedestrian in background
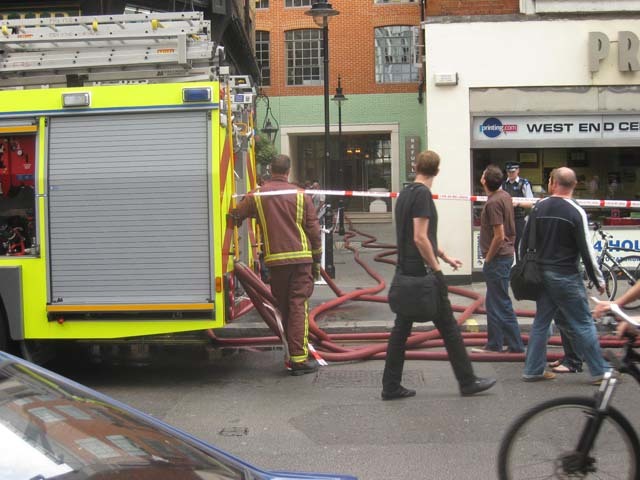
x=417 y=232
x=497 y=237
x=518 y=188
x=562 y=238
x=292 y=251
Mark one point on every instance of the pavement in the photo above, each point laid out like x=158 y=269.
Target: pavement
x=363 y=316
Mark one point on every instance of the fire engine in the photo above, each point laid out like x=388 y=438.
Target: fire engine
x=122 y=143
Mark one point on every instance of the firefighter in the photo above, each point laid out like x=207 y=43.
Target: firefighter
x=292 y=251
x=517 y=187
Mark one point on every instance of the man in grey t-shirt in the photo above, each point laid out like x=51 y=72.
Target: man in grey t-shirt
x=497 y=236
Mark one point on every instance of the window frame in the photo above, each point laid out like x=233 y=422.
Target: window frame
x=313 y=63
x=404 y=71
x=303 y=3
x=263 y=56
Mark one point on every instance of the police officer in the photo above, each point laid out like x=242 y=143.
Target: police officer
x=519 y=188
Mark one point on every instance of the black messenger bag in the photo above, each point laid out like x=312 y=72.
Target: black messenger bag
x=526 y=279
x=416 y=297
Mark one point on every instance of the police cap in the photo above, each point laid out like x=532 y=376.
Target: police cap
x=512 y=166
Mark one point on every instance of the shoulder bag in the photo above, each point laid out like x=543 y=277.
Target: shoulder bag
x=417 y=297
x=526 y=279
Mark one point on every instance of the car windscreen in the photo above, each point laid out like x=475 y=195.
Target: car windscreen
x=49 y=429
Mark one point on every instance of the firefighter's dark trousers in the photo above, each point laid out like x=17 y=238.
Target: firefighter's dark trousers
x=292 y=285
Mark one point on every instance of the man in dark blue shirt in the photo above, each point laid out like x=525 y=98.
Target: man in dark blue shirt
x=562 y=238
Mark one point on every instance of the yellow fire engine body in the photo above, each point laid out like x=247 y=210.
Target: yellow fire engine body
x=127 y=228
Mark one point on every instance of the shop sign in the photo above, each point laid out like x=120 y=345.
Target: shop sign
x=574 y=127
x=628 y=45
x=411 y=151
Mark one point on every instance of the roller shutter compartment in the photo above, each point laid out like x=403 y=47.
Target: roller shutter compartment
x=129 y=208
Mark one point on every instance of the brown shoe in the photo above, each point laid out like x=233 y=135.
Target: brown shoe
x=538 y=378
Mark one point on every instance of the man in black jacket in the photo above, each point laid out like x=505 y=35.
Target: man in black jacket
x=562 y=238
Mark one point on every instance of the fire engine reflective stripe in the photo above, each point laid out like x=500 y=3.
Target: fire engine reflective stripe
x=299 y=219
x=19 y=129
x=167 y=307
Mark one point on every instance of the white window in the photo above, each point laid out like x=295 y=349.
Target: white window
x=262 y=56
x=297 y=3
x=97 y=448
x=397 y=54
x=304 y=57
x=73 y=412
x=46 y=415
x=127 y=445
x=394 y=1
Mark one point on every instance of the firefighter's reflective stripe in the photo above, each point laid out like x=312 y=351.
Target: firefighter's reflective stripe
x=305 y=339
x=304 y=252
x=299 y=219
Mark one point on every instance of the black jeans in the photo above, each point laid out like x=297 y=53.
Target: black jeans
x=450 y=332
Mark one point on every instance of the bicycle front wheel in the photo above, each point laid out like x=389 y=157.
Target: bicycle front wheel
x=628 y=277
x=542 y=443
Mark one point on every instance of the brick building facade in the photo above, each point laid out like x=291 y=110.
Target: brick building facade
x=384 y=109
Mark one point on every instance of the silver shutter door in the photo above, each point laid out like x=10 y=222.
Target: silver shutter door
x=128 y=208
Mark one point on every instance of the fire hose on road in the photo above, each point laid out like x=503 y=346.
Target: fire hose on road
x=327 y=344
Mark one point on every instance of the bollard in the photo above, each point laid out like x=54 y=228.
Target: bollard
x=340 y=218
x=328 y=244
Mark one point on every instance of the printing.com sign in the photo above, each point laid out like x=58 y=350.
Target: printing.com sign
x=493 y=127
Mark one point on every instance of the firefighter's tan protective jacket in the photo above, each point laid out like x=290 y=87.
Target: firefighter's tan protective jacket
x=289 y=223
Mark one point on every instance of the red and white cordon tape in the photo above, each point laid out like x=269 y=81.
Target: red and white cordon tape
x=445 y=196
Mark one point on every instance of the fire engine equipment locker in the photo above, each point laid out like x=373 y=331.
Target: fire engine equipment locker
x=129 y=208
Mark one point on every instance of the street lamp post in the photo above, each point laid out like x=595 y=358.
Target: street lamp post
x=321 y=12
x=339 y=98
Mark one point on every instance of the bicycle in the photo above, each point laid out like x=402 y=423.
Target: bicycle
x=576 y=437
x=619 y=274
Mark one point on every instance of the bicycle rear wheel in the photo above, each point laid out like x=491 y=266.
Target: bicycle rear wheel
x=631 y=264
x=542 y=442
x=610 y=283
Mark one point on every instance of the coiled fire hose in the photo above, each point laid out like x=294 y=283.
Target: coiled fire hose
x=326 y=344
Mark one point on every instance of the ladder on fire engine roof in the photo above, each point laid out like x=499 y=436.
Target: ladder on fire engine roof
x=107 y=48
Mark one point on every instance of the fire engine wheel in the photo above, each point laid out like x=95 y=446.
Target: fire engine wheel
x=4 y=331
x=6 y=343
x=37 y=351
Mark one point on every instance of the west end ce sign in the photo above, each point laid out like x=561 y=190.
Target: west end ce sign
x=628 y=47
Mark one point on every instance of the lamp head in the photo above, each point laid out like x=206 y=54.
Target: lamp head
x=269 y=130
x=321 y=12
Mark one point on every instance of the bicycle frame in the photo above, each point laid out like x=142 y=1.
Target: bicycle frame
x=627 y=364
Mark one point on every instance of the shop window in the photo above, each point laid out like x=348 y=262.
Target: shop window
x=262 y=57
x=397 y=54
x=304 y=57
x=262 y=4
x=297 y=3
x=17 y=195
